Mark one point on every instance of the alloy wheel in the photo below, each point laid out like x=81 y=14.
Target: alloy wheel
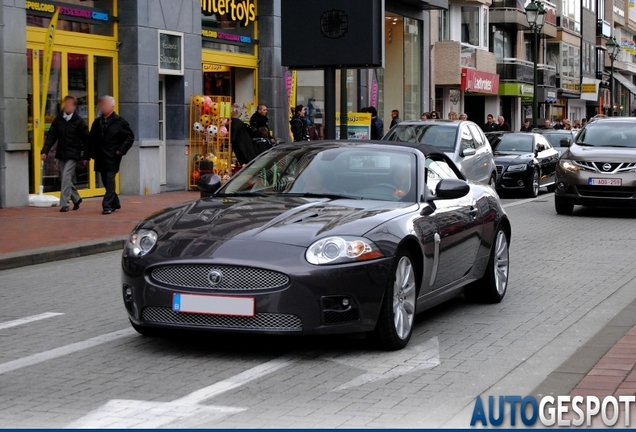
x=501 y=262
x=404 y=298
x=535 y=183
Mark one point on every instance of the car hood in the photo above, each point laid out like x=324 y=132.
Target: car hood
x=200 y=227
x=506 y=159
x=601 y=154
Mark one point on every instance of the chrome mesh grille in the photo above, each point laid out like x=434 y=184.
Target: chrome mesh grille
x=260 y=321
x=499 y=169
x=232 y=278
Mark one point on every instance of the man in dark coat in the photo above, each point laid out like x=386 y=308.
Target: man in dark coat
x=504 y=126
x=491 y=125
x=377 y=125
x=70 y=131
x=242 y=143
x=395 y=118
x=260 y=123
x=110 y=139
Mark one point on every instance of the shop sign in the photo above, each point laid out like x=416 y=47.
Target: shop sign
x=479 y=82
x=170 y=53
x=516 y=89
x=588 y=88
x=358 y=126
x=211 y=67
x=243 y=11
x=67 y=11
x=213 y=34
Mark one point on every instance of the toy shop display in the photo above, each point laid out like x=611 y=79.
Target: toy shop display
x=210 y=149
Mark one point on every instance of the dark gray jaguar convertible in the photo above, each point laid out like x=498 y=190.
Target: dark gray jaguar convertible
x=326 y=237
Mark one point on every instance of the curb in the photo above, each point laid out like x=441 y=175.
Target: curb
x=58 y=253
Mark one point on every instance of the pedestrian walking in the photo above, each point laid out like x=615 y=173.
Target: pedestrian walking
x=70 y=132
x=558 y=125
x=377 y=125
x=242 y=144
x=490 y=125
x=261 y=133
x=395 y=118
x=110 y=139
x=527 y=127
x=503 y=125
x=298 y=124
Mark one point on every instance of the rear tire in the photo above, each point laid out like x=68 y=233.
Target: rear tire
x=492 y=287
x=563 y=208
x=395 y=323
x=146 y=331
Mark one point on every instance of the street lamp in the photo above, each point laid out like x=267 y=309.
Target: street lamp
x=535 y=14
x=613 y=49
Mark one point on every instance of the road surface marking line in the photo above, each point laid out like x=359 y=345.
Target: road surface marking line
x=26 y=320
x=525 y=201
x=63 y=351
x=186 y=411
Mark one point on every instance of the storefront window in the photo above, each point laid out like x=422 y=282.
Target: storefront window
x=474 y=26
x=443 y=25
x=566 y=58
x=80 y=16
x=226 y=32
x=502 y=44
x=50 y=172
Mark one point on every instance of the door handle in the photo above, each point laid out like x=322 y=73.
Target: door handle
x=473 y=212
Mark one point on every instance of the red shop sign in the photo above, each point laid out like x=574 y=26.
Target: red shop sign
x=475 y=81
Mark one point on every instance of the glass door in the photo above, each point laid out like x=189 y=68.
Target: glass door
x=84 y=75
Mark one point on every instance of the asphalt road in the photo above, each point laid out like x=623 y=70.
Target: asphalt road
x=69 y=358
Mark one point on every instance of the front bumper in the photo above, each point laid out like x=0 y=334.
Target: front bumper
x=573 y=188
x=511 y=180
x=311 y=303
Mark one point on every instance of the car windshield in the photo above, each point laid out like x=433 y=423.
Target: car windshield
x=518 y=143
x=341 y=172
x=608 y=134
x=441 y=136
x=555 y=138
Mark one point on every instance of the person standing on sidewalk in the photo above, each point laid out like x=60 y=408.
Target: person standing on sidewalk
x=110 y=139
x=70 y=131
x=298 y=125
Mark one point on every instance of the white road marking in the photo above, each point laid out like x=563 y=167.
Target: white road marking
x=63 y=351
x=26 y=320
x=187 y=410
x=525 y=201
x=390 y=365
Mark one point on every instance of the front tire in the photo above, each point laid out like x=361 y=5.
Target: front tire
x=563 y=208
x=533 y=190
x=395 y=324
x=492 y=287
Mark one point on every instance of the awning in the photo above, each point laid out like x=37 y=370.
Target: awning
x=626 y=82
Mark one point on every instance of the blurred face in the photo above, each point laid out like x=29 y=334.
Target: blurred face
x=546 y=123
x=106 y=107
x=527 y=124
x=500 y=120
x=69 y=106
x=393 y=114
x=424 y=117
x=463 y=117
x=433 y=115
x=489 y=119
x=262 y=110
x=301 y=113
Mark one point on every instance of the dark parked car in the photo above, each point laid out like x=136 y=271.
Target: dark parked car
x=463 y=141
x=525 y=161
x=331 y=237
x=556 y=137
x=599 y=168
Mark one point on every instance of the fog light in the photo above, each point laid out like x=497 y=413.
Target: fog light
x=345 y=302
x=128 y=293
x=520 y=183
x=561 y=185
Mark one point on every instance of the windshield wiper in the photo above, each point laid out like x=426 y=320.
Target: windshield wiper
x=614 y=145
x=321 y=195
x=243 y=194
x=584 y=144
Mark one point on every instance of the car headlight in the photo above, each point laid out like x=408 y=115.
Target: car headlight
x=516 y=168
x=568 y=165
x=141 y=242
x=334 y=250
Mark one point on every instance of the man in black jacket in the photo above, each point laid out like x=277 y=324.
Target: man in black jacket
x=490 y=125
x=298 y=124
x=70 y=131
x=110 y=139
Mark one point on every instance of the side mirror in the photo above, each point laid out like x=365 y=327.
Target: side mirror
x=540 y=148
x=208 y=184
x=451 y=189
x=565 y=142
x=468 y=152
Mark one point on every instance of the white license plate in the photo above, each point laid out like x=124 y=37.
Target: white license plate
x=213 y=305
x=604 y=182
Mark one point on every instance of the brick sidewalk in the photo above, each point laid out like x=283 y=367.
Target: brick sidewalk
x=28 y=228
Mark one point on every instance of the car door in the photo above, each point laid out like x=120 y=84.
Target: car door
x=467 y=155
x=486 y=162
x=459 y=230
x=548 y=158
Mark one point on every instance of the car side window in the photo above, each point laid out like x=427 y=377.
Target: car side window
x=479 y=138
x=467 y=139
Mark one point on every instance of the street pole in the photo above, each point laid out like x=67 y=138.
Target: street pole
x=612 y=87
x=330 y=103
x=535 y=100
x=344 y=130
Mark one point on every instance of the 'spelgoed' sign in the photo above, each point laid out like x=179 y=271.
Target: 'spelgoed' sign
x=238 y=10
